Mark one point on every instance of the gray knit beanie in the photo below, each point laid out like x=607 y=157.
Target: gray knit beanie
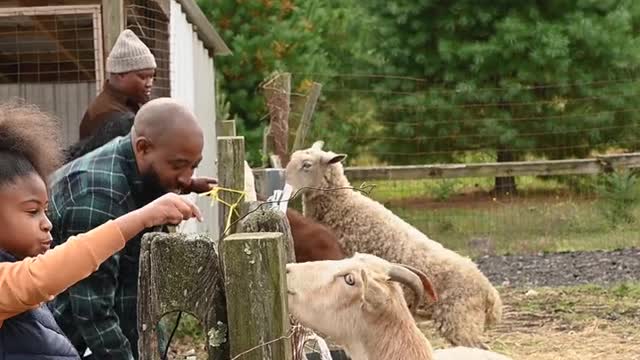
x=129 y=54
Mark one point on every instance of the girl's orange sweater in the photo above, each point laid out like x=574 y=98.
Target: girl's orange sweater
x=25 y=284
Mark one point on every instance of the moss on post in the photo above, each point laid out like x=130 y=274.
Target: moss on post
x=180 y=272
x=255 y=282
x=266 y=219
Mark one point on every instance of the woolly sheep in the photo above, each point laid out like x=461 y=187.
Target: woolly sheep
x=363 y=309
x=469 y=303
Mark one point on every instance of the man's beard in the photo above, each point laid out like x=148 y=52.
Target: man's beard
x=153 y=188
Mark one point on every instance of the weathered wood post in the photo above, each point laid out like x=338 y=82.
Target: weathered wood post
x=277 y=92
x=180 y=272
x=255 y=283
x=230 y=175
x=264 y=220
x=228 y=128
x=307 y=115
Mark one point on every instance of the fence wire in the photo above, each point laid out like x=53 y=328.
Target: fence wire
x=151 y=24
x=387 y=120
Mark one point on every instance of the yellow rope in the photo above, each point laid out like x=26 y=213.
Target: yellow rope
x=215 y=196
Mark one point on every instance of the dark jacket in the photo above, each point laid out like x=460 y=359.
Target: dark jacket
x=114 y=125
x=109 y=102
x=34 y=334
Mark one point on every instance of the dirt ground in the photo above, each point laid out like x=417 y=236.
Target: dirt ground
x=571 y=323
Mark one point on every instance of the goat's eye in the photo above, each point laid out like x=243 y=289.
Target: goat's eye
x=306 y=164
x=349 y=279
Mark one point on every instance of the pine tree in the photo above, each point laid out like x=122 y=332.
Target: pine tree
x=546 y=78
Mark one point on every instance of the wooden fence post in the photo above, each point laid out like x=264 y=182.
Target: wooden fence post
x=255 y=283
x=277 y=91
x=230 y=175
x=180 y=272
x=307 y=115
x=228 y=128
x=264 y=220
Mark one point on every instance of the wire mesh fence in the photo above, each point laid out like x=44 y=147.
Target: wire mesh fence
x=44 y=48
x=151 y=24
x=51 y=56
x=392 y=120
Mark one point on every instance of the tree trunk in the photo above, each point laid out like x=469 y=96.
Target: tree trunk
x=505 y=185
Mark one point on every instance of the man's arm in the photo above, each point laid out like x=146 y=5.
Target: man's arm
x=92 y=299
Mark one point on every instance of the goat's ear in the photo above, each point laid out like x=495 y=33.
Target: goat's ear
x=334 y=158
x=374 y=295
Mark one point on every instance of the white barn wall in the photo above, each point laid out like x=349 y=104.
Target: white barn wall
x=193 y=82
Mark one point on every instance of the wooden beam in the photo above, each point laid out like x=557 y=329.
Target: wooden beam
x=231 y=176
x=525 y=168
x=307 y=115
x=113 y=24
x=165 y=7
x=605 y=163
x=256 y=289
x=46 y=10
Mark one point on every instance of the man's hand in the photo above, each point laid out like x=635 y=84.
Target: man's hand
x=201 y=184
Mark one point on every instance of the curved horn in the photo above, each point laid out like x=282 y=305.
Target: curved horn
x=426 y=282
x=407 y=277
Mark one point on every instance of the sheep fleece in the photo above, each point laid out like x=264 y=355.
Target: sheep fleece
x=467 y=300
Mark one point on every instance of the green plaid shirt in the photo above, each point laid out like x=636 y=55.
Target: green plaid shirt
x=99 y=312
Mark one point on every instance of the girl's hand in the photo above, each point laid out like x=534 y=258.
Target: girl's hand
x=169 y=209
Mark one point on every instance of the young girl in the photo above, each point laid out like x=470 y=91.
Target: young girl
x=29 y=274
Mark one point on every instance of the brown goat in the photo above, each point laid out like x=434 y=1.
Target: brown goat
x=312 y=241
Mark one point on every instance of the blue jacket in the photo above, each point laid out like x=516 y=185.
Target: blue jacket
x=34 y=334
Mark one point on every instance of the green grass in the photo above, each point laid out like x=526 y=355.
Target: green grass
x=385 y=190
x=545 y=216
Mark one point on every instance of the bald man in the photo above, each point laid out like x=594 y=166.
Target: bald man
x=158 y=156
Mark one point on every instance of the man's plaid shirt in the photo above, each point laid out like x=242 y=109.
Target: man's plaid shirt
x=99 y=312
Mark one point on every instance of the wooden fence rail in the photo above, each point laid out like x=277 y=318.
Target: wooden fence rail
x=605 y=163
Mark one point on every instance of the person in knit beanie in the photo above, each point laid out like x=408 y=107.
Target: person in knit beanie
x=131 y=68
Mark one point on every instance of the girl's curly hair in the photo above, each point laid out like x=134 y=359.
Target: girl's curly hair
x=29 y=142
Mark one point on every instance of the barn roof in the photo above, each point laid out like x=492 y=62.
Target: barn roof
x=206 y=32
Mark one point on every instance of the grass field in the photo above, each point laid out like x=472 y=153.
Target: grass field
x=545 y=216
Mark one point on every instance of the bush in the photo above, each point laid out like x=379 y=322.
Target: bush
x=619 y=195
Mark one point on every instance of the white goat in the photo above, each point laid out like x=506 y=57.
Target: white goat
x=363 y=309
x=468 y=302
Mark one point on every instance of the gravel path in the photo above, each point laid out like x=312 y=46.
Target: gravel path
x=559 y=269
